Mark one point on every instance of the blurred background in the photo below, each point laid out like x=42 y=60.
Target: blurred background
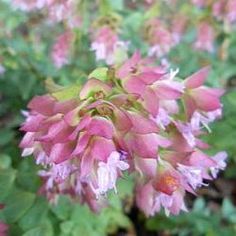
x=26 y=42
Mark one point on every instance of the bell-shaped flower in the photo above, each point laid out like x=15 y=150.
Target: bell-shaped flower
x=108 y=172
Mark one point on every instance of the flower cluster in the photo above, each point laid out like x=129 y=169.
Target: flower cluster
x=61 y=49
x=139 y=118
x=107 y=45
x=162 y=36
x=205 y=37
x=58 y=11
x=221 y=9
x=225 y=10
x=162 y=32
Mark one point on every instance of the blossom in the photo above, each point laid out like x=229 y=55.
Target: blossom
x=133 y=120
x=225 y=10
x=107 y=172
x=192 y=174
x=205 y=37
x=231 y=10
x=107 y=45
x=160 y=37
x=200 y=97
x=199 y=3
x=219 y=158
x=3 y=229
x=29 y=5
x=61 y=49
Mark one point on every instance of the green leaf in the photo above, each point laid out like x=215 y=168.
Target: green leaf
x=7 y=177
x=35 y=215
x=117 y=5
x=43 y=230
x=63 y=209
x=67 y=93
x=5 y=161
x=199 y=205
x=17 y=204
x=228 y=210
x=6 y=136
x=99 y=73
x=160 y=222
x=66 y=227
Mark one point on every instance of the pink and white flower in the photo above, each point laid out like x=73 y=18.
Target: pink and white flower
x=133 y=121
x=108 y=46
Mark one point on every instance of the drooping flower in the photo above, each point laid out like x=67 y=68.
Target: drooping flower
x=108 y=172
x=205 y=37
x=131 y=120
x=159 y=37
x=220 y=159
x=61 y=49
x=225 y=10
x=108 y=46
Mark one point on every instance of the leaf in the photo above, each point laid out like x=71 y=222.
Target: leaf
x=43 y=230
x=228 y=210
x=67 y=93
x=51 y=86
x=63 y=209
x=160 y=222
x=99 y=73
x=199 y=205
x=17 y=204
x=27 y=177
x=7 y=177
x=86 y=222
x=117 y=5
x=35 y=215
x=66 y=227
x=6 y=136
x=5 y=161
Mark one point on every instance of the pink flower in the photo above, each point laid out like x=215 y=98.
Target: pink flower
x=218 y=9
x=192 y=174
x=172 y=204
x=108 y=172
x=205 y=37
x=200 y=97
x=167 y=179
x=199 y=3
x=29 y=5
x=160 y=38
x=199 y=120
x=187 y=132
x=231 y=10
x=107 y=45
x=61 y=49
x=3 y=229
x=219 y=158
x=225 y=10
x=151 y=201
x=178 y=26
x=133 y=121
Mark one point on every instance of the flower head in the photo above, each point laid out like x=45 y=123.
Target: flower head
x=133 y=119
